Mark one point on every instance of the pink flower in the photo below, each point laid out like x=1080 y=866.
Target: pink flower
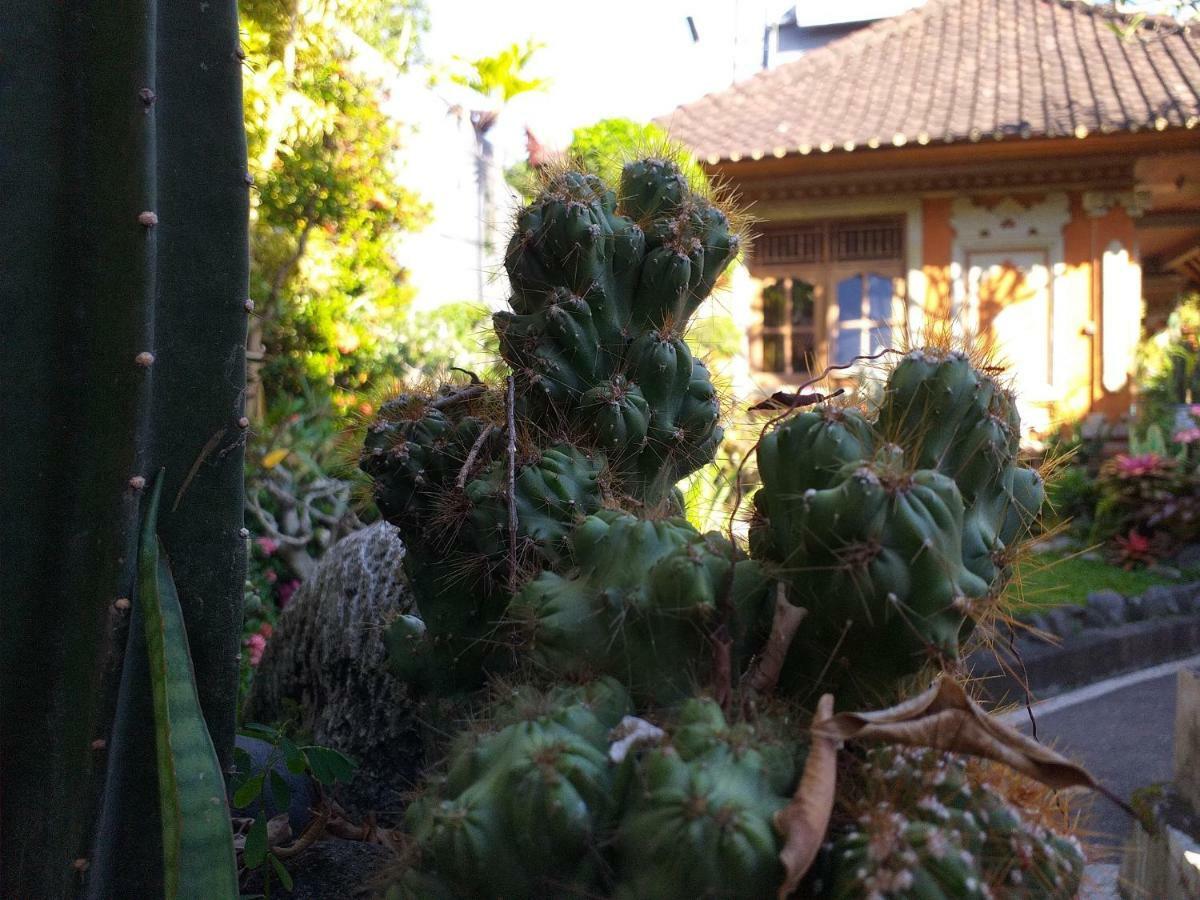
x=256 y=644
x=286 y=590
x=266 y=545
x=1133 y=466
x=1194 y=409
x=271 y=576
x=1187 y=435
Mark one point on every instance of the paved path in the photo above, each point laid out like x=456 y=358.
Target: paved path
x=1122 y=730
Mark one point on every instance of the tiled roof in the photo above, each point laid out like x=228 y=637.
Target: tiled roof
x=957 y=70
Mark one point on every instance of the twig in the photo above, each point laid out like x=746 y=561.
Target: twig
x=787 y=620
x=510 y=421
x=470 y=392
x=310 y=835
x=465 y=471
x=785 y=400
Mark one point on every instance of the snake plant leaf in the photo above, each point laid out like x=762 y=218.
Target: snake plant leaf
x=198 y=858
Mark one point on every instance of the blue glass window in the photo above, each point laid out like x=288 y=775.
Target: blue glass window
x=879 y=295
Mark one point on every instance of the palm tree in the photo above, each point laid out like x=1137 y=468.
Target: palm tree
x=498 y=79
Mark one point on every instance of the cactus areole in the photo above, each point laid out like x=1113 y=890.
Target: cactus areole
x=601 y=646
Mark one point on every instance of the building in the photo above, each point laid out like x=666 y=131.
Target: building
x=1018 y=167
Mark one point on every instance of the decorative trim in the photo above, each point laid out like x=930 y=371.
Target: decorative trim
x=1135 y=202
x=1011 y=227
x=1106 y=173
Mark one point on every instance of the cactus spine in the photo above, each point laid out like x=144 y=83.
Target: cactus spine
x=125 y=218
x=622 y=764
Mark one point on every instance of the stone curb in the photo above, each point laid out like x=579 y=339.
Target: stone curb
x=1087 y=656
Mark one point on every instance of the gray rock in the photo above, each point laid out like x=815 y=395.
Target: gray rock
x=1064 y=621
x=1036 y=621
x=1187 y=596
x=1159 y=600
x=1092 y=556
x=1188 y=557
x=326 y=662
x=1104 y=609
x=330 y=868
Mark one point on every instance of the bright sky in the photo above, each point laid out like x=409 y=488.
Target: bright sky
x=630 y=58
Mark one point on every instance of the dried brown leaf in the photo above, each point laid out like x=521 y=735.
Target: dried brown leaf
x=803 y=822
x=787 y=619
x=946 y=718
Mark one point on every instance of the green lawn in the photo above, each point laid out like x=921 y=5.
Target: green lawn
x=1053 y=579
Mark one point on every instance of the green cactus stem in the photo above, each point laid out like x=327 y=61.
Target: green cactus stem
x=124 y=291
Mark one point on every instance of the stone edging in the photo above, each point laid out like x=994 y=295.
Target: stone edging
x=1109 y=635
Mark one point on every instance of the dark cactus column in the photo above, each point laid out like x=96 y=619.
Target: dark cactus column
x=123 y=278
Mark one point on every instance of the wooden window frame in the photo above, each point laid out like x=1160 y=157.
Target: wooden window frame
x=824 y=274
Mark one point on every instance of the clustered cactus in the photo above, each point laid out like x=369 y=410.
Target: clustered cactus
x=595 y=645
x=895 y=532
x=923 y=829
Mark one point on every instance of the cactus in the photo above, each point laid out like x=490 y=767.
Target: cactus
x=535 y=806
x=548 y=557
x=125 y=285
x=923 y=829
x=895 y=533
x=637 y=602
x=613 y=410
x=698 y=821
x=525 y=805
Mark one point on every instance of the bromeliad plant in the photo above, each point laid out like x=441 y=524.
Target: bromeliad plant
x=636 y=688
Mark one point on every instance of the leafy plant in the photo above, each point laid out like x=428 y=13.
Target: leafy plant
x=1147 y=498
x=267 y=786
x=327 y=204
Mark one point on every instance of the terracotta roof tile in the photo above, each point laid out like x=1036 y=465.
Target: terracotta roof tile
x=958 y=70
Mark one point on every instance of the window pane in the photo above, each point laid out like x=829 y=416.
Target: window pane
x=881 y=338
x=879 y=292
x=849 y=297
x=774 y=305
x=772 y=353
x=803 y=303
x=803 y=351
x=849 y=345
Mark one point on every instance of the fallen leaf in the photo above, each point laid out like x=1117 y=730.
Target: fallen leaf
x=787 y=619
x=803 y=822
x=946 y=718
x=275 y=457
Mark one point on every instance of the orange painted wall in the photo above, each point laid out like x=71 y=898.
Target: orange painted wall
x=936 y=251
